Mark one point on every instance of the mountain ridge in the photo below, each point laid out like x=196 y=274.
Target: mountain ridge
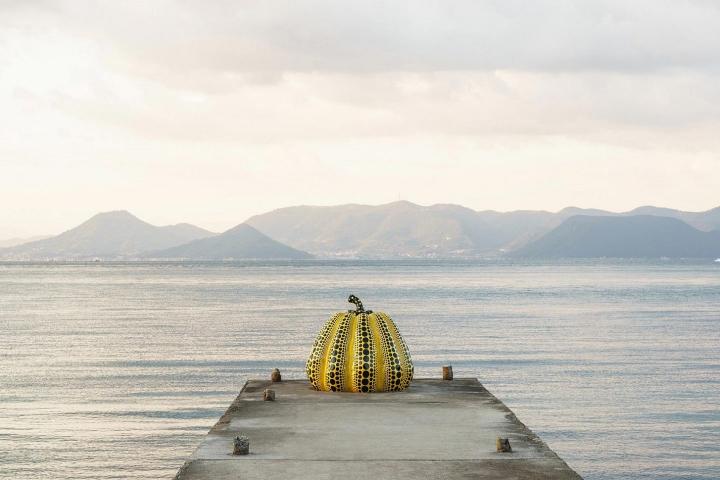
x=405 y=229
x=240 y=242
x=623 y=236
x=112 y=234
x=394 y=230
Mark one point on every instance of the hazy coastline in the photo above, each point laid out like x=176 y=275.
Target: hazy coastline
x=399 y=230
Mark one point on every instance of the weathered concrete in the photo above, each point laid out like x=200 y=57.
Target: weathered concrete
x=434 y=429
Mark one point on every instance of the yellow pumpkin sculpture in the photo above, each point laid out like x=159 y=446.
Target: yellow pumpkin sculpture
x=359 y=351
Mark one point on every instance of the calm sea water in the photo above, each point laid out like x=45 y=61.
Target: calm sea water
x=118 y=370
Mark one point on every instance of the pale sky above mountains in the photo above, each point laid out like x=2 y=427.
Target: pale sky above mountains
x=209 y=112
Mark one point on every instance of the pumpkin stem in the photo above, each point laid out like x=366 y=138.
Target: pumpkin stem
x=358 y=304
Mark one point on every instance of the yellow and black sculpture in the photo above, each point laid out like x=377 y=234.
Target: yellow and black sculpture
x=359 y=351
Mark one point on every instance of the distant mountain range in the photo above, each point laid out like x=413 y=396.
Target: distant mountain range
x=634 y=236
x=394 y=230
x=400 y=229
x=106 y=235
x=120 y=235
x=240 y=242
x=404 y=229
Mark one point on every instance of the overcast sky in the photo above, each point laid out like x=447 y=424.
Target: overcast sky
x=210 y=112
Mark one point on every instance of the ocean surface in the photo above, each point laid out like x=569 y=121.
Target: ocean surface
x=118 y=370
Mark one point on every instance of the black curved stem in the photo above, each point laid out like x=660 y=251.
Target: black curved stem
x=358 y=304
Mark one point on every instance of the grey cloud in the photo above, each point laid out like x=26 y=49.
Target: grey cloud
x=414 y=36
x=293 y=70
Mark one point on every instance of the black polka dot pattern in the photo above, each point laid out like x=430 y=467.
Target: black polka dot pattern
x=359 y=352
x=401 y=373
x=364 y=362
x=390 y=356
x=312 y=367
x=335 y=372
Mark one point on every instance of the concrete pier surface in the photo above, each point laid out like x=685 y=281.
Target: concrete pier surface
x=434 y=429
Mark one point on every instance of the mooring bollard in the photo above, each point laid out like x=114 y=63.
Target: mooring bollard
x=503 y=445
x=447 y=372
x=241 y=445
x=275 y=375
x=269 y=395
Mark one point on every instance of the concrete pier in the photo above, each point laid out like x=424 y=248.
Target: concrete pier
x=435 y=429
